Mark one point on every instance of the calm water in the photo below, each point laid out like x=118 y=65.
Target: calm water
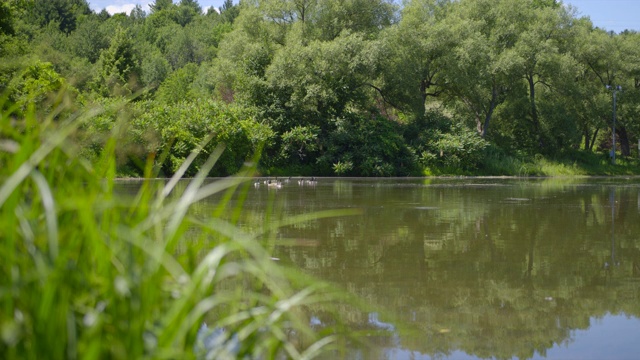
x=471 y=268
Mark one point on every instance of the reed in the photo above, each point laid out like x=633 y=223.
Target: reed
x=88 y=272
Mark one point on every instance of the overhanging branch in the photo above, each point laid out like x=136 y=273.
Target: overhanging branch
x=384 y=98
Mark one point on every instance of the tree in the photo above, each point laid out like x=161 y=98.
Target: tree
x=6 y=19
x=160 y=5
x=478 y=66
x=600 y=54
x=155 y=68
x=104 y=15
x=229 y=11
x=588 y=101
x=243 y=57
x=63 y=12
x=366 y=16
x=318 y=82
x=628 y=127
x=89 y=39
x=507 y=50
x=542 y=52
x=193 y=4
x=119 y=69
x=137 y=13
x=187 y=11
x=413 y=51
x=325 y=20
x=36 y=86
x=177 y=85
x=183 y=48
x=289 y=11
x=181 y=128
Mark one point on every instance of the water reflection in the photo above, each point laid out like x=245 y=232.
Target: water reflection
x=485 y=267
x=469 y=268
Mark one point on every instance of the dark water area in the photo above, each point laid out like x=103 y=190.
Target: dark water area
x=469 y=268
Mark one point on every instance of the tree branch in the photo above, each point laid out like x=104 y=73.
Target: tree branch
x=384 y=97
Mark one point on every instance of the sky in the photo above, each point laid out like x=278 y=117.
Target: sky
x=118 y=6
x=611 y=15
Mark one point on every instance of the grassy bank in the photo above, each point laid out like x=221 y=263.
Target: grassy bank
x=576 y=163
x=90 y=273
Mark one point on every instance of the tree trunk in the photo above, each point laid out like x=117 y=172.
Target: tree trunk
x=534 y=110
x=494 y=100
x=424 y=85
x=587 y=139
x=623 y=138
x=593 y=139
x=479 y=125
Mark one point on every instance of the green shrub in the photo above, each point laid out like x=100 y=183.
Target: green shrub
x=181 y=127
x=149 y=129
x=37 y=85
x=343 y=168
x=299 y=143
x=460 y=148
x=177 y=85
x=368 y=146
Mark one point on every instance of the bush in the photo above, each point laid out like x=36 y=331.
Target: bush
x=368 y=146
x=461 y=149
x=37 y=85
x=171 y=132
x=182 y=127
x=177 y=85
x=298 y=143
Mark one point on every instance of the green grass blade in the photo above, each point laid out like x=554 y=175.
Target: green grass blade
x=49 y=212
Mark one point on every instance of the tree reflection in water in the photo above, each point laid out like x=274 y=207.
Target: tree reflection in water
x=491 y=268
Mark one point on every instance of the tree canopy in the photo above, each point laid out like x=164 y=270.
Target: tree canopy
x=436 y=83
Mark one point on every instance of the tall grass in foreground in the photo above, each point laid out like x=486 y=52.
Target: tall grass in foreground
x=87 y=273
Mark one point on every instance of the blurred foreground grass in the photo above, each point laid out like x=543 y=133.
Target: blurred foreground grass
x=88 y=273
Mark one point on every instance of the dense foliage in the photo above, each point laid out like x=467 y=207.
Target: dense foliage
x=328 y=87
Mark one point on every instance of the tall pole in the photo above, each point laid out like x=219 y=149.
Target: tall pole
x=615 y=89
x=613 y=155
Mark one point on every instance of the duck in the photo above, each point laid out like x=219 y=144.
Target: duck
x=312 y=182
x=274 y=184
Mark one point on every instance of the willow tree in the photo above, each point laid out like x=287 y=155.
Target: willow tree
x=414 y=56
x=243 y=57
x=480 y=66
x=592 y=50
x=541 y=54
x=628 y=130
x=511 y=51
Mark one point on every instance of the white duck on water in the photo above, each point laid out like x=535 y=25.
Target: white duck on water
x=274 y=184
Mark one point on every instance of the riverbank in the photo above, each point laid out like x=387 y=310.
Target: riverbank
x=576 y=163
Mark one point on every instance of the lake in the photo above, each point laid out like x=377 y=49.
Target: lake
x=469 y=268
